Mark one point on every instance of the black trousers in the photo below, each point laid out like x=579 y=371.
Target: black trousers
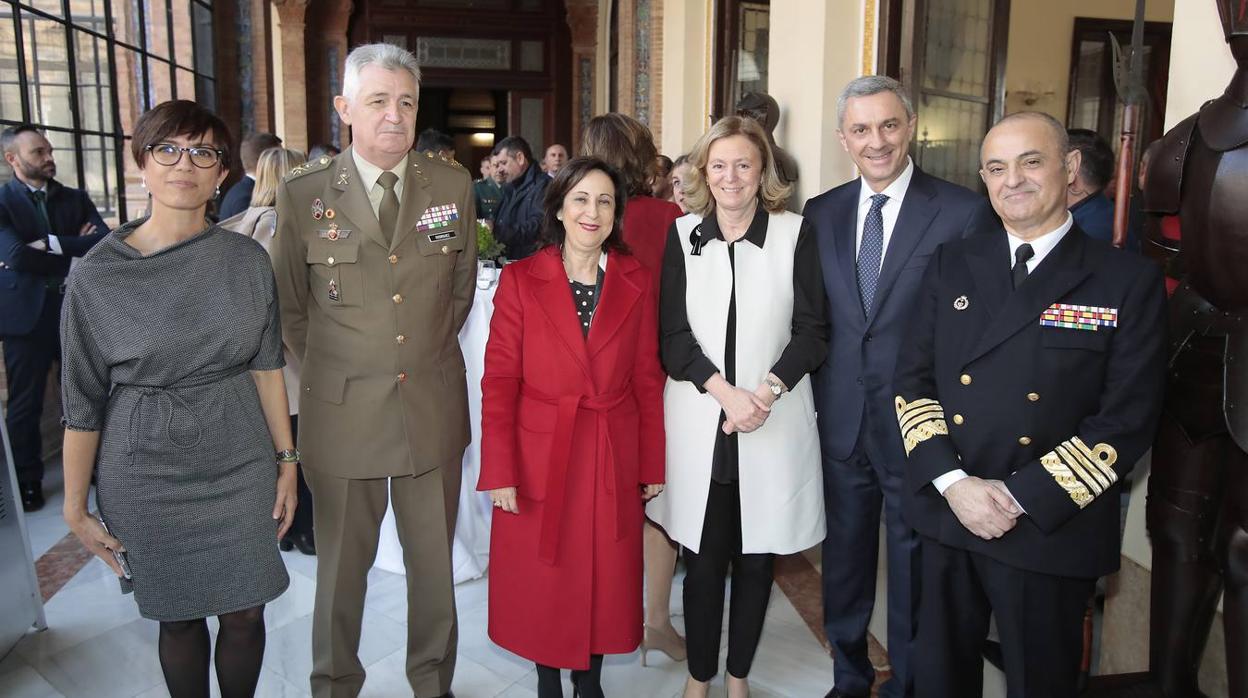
x=27 y=360
x=303 y=508
x=705 y=573
x=1039 y=621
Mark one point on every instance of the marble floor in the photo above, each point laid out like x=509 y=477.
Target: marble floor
x=97 y=646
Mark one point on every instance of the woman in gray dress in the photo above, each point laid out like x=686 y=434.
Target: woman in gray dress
x=173 y=393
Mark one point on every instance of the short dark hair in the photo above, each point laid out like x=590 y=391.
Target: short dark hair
x=253 y=145
x=626 y=144
x=512 y=144
x=1097 y=163
x=432 y=140
x=10 y=134
x=179 y=117
x=567 y=177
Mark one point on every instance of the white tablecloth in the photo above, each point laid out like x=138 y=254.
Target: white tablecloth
x=471 y=552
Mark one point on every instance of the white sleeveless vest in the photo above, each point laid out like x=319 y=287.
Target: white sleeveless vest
x=781 y=477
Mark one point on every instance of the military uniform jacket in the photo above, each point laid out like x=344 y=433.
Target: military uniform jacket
x=1054 y=388
x=376 y=323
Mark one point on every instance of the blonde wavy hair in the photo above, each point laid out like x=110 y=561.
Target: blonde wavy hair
x=772 y=192
x=271 y=167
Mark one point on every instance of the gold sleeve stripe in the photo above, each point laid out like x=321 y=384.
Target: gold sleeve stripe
x=1062 y=475
x=1076 y=468
x=919 y=421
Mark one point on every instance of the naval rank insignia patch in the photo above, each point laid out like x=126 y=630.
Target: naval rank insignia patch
x=1079 y=317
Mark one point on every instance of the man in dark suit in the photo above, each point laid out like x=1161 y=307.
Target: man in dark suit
x=875 y=236
x=1086 y=196
x=519 y=216
x=1028 y=386
x=42 y=225
x=238 y=197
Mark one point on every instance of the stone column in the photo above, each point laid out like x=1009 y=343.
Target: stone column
x=583 y=21
x=290 y=90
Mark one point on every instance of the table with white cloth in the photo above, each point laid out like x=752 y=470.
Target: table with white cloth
x=470 y=554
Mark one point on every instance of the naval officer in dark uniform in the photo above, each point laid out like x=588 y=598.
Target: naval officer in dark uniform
x=1029 y=386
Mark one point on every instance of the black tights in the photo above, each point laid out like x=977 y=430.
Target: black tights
x=184 y=654
x=587 y=682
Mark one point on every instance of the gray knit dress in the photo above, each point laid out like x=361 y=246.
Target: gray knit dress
x=156 y=353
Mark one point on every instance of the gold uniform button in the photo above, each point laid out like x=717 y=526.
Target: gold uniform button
x=957 y=419
x=446 y=249
x=330 y=261
x=397 y=298
x=400 y=339
x=402 y=376
x=1034 y=397
x=966 y=379
x=394 y=259
x=1024 y=441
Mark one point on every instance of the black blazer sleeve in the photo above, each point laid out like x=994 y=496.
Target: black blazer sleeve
x=808 y=342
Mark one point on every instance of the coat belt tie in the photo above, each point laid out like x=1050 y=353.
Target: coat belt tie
x=567 y=409
x=170 y=401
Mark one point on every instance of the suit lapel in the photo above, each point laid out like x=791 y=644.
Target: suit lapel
x=990 y=272
x=619 y=294
x=416 y=199
x=555 y=301
x=1056 y=275
x=844 y=230
x=347 y=196
x=918 y=208
x=24 y=209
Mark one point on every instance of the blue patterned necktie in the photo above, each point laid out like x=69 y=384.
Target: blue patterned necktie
x=871 y=252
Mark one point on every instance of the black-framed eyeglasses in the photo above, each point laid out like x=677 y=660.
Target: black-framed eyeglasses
x=168 y=154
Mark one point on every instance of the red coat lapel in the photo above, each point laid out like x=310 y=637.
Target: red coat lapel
x=620 y=292
x=555 y=301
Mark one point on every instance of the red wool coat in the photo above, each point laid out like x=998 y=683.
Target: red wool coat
x=646 y=222
x=576 y=425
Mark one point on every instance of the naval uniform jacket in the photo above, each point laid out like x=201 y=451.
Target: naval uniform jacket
x=1054 y=388
x=376 y=322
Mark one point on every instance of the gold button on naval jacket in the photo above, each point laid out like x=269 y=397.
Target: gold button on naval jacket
x=966 y=379
x=402 y=376
x=1024 y=441
x=400 y=339
x=1034 y=397
x=394 y=259
x=397 y=298
x=957 y=419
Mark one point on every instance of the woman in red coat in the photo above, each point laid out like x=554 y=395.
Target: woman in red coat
x=572 y=435
x=626 y=144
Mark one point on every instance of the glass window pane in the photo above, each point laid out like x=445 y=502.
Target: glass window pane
x=88 y=14
x=10 y=88
x=183 y=46
x=186 y=84
x=156 y=15
x=206 y=92
x=127 y=26
x=129 y=82
x=949 y=137
x=958 y=38
x=63 y=149
x=95 y=106
x=159 y=82
x=203 y=40
x=751 y=50
x=52 y=7
x=1086 y=112
x=47 y=69
x=99 y=164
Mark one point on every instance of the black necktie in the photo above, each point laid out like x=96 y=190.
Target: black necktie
x=1021 y=255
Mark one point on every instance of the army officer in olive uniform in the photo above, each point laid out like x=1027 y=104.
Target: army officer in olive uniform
x=375 y=257
x=1030 y=384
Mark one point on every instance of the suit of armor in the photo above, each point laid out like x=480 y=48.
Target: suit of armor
x=1198 y=493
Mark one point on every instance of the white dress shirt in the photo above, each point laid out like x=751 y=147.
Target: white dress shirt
x=370 y=173
x=896 y=193
x=1041 y=247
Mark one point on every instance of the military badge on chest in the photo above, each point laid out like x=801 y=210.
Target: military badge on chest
x=1079 y=317
x=435 y=218
x=334 y=295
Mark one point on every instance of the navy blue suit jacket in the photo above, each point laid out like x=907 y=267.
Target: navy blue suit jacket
x=24 y=271
x=237 y=198
x=858 y=375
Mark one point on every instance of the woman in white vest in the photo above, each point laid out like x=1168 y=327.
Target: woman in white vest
x=742 y=322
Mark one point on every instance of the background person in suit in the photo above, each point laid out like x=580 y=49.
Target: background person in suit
x=876 y=234
x=1029 y=384
x=375 y=258
x=518 y=218
x=743 y=322
x=238 y=197
x=42 y=225
x=572 y=364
